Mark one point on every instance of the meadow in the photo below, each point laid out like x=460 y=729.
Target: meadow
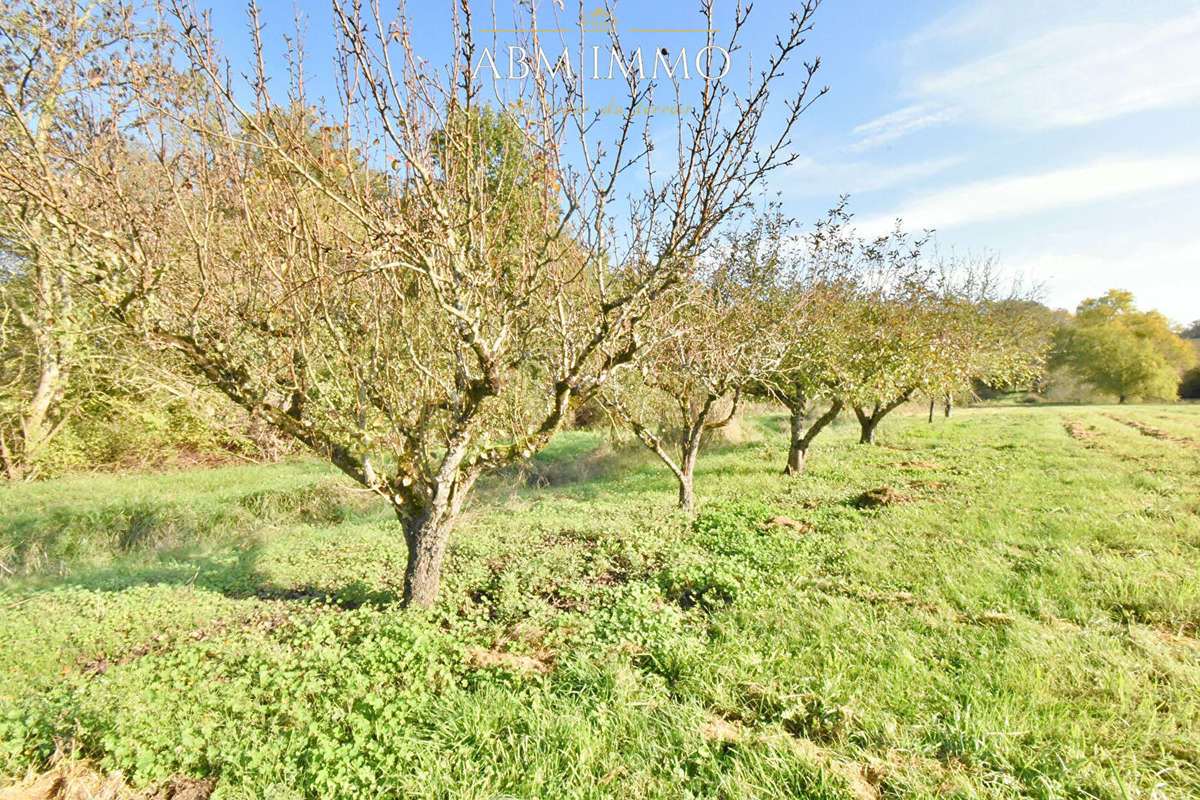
x=1018 y=617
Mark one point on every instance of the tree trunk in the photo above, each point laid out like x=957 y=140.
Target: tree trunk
x=867 y=423
x=1121 y=399
x=48 y=324
x=687 y=466
x=796 y=452
x=949 y=405
x=690 y=438
x=687 y=495
x=427 y=527
x=682 y=471
x=36 y=421
x=6 y=460
x=933 y=403
x=871 y=421
x=426 y=537
x=868 y=431
x=801 y=439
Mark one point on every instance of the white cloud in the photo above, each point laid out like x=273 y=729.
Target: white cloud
x=1014 y=196
x=899 y=123
x=1103 y=63
x=810 y=177
x=1161 y=273
x=1077 y=75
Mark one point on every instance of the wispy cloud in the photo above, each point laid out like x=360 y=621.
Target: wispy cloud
x=812 y=178
x=1015 y=196
x=901 y=122
x=1103 y=64
x=1152 y=268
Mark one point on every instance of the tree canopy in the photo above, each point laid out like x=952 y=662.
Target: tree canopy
x=412 y=280
x=1121 y=350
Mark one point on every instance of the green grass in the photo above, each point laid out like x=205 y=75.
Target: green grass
x=1027 y=626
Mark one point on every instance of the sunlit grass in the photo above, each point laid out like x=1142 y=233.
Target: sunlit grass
x=1027 y=624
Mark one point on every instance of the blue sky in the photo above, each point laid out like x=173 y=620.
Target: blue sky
x=1057 y=135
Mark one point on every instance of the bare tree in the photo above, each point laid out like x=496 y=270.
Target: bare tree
x=416 y=281
x=707 y=345
x=39 y=331
x=57 y=61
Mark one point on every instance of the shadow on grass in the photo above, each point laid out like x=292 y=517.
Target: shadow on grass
x=231 y=572
x=217 y=549
x=595 y=468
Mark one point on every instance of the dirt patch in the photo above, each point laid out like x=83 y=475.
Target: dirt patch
x=536 y=658
x=863 y=780
x=1093 y=438
x=1157 y=433
x=1077 y=430
x=75 y=779
x=929 y=484
x=1058 y=623
x=880 y=497
x=875 y=597
x=786 y=523
x=950 y=773
x=1178 y=640
x=610 y=577
x=721 y=730
x=866 y=779
x=901 y=599
x=995 y=619
x=915 y=465
x=182 y=788
x=528 y=665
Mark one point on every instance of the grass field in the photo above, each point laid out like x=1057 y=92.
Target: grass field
x=1025 y=624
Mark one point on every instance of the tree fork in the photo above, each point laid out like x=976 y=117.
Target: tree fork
x=802 y=440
